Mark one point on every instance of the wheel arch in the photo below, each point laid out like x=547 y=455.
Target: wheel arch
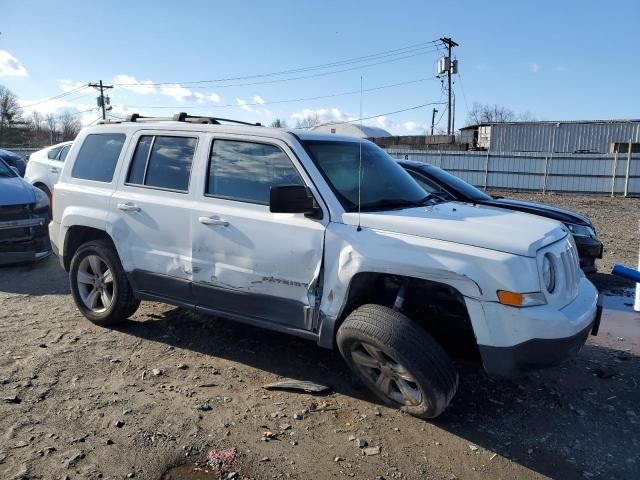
x=434 y=305
x=76 y=236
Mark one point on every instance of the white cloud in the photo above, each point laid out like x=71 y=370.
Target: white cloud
x=202 y=97
x=68 y=85
x=560 y=69
x=414 y=126
x=176 y=91
x=132 y=84
x=10 y=66
x=323 y=115
x=535 y=67
x=251 y=106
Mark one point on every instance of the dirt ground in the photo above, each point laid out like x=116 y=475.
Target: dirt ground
x=82 y=402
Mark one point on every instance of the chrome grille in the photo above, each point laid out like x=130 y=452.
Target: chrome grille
x=568 y=272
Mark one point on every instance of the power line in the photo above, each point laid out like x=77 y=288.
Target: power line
x=84 y=111
x=55 y=97
x=319 y=97
x=416 y=107
x=398 y=51
x=280 y=80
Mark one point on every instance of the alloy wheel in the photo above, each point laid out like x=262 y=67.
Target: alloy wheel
x=95 y=283
x=389 y=377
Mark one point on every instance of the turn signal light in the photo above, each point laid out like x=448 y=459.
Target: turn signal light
x=514 y=299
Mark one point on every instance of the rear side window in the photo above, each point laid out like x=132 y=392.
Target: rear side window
x=53 y=153
x=163 y=162
x=63 y=153
x=98 y=157
x=246 y=171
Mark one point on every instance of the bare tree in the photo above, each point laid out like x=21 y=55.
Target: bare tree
x=279 y=123
x=10 y=116
x=70 y=126
x=484 y=113
x=52 y=124
x=310 y=120
x=481 y=113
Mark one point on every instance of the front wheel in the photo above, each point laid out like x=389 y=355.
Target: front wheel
x=397 y=360
x=99 y=284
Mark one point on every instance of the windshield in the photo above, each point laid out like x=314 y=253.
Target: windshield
x=384 y=184
x=458 y=184
x=5 y=170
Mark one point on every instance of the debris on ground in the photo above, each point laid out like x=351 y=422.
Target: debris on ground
x=12 y=399
x=157 y=372
x=371 y=451
x=361 y=443
x=222 y=458
x=304 y=386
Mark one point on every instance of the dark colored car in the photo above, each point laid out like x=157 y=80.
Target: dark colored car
x=437 y=181
x=24 y=217
x=14 y=160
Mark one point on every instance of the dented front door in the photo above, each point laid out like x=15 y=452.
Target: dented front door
x=248 y=261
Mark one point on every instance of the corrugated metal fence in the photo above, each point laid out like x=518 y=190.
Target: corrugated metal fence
x=617 y=174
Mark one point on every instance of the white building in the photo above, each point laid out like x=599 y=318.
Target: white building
x=352 y=129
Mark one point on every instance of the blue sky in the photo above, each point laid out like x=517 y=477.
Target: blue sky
x=554 y=59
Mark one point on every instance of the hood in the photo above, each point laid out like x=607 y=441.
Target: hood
x=476 y=225
x=549 y=211
x=15 y=191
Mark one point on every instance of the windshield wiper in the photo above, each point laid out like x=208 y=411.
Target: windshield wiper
x=396 y=203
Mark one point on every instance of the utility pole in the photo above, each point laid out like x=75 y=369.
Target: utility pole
x=433 y=119
x=101 y=99
x=449 y=44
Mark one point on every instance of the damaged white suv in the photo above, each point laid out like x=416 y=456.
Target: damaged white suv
x=320 y=236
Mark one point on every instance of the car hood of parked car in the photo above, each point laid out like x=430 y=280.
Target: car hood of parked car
x=476 y=225
x=549 y=211
x=15 y=191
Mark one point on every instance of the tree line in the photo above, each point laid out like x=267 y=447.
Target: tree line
x=33 y=130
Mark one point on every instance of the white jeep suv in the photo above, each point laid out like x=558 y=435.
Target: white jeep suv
x=321 y=236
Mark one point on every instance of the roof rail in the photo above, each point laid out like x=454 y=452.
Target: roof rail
x=184 y=117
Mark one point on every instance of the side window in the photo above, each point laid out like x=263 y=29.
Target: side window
x=53 y=153
x=428 y=186
x=63 y=153
x=246 y=171
x=163 y=162
x=98 y=157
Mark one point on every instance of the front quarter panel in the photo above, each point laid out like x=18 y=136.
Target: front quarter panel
x=475 y=272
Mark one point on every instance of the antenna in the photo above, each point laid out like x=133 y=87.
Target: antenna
x=360 y=164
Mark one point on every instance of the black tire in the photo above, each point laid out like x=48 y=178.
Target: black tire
x=123 y=303
x=409 y=346
x=44 y=189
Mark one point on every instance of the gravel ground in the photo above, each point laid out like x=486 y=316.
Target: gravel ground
x=79 y=401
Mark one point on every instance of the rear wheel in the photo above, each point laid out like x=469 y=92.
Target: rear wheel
x=399 y=362
x=99 y=284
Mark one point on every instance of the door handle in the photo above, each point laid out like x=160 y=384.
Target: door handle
x=53 y=170
x=128 y=207
x=213 y=221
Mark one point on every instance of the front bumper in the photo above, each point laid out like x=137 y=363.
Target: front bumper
x=24 y=240
x=589 y=249
x=524 y=339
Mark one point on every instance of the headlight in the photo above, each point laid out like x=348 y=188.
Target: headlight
x=42 y=201
x=515 y=299
x=549 y=273
x=581 y=230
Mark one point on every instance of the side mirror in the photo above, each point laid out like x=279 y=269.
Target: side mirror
x=292 y=199
x=15 y=170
